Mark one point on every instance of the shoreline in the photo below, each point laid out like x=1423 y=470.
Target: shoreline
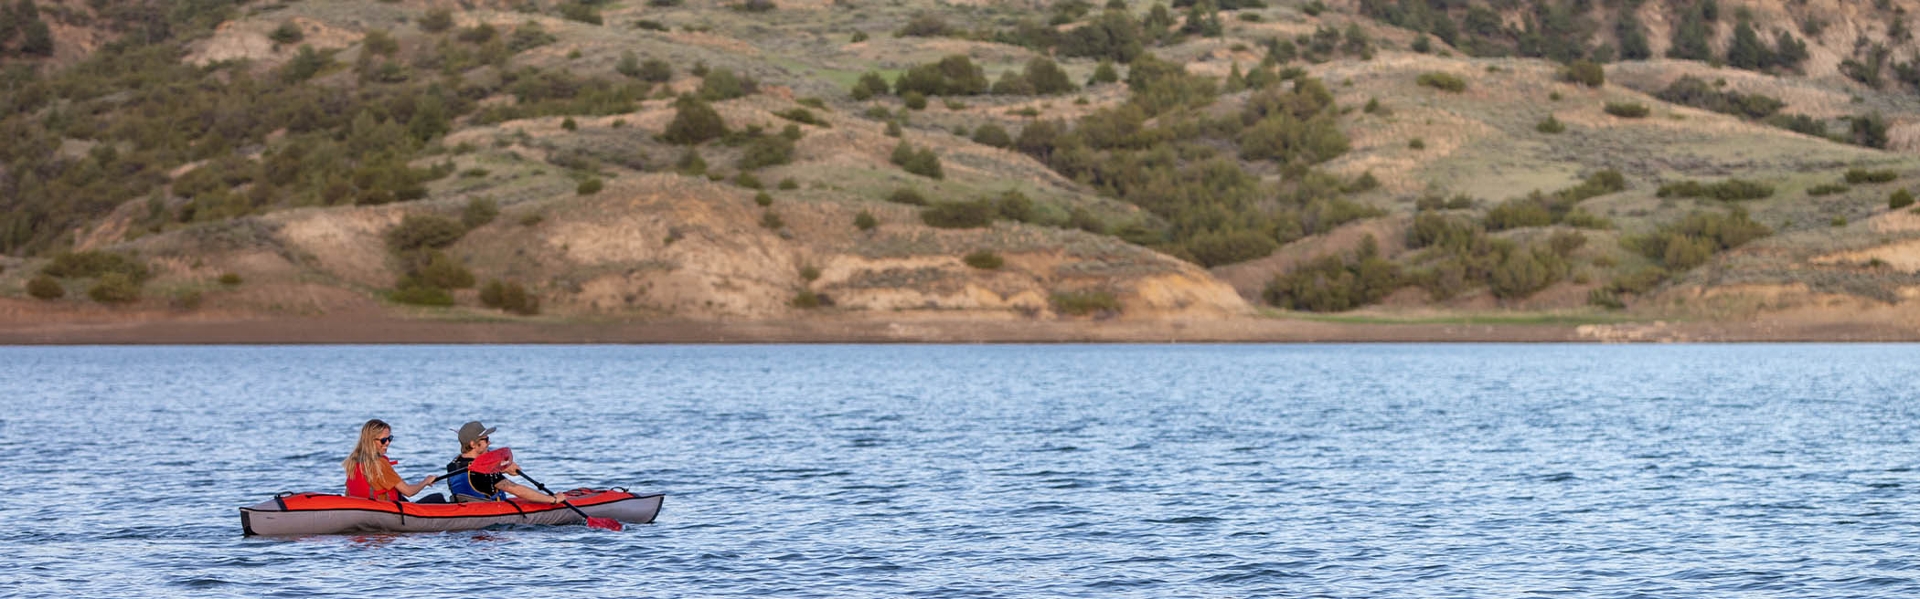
x=381 y=330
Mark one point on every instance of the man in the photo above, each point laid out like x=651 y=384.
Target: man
x=475 y=486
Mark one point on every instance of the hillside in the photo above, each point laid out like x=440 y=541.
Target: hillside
x=1011 y=170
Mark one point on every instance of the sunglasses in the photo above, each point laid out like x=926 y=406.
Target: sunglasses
x=386 y=439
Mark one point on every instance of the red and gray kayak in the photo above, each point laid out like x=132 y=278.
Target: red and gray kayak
x=324 y=514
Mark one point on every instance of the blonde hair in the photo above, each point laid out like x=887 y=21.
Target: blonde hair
x=366 y=453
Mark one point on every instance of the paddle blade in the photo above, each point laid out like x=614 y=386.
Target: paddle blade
x=604 y=524
x=492 y=462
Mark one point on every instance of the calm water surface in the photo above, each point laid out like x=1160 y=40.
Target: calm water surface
x=993 y=471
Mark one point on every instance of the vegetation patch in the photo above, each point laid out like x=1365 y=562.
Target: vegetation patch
x=1084 y=303
x=1627 y=110
x=984 y=260
x=1727 y=190
x=1442 y=81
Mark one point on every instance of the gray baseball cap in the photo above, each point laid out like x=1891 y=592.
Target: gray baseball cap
x=473 y=430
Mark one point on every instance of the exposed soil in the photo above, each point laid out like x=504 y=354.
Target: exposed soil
x=22 y=325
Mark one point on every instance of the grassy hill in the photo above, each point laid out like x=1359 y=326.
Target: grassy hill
x=996 y=160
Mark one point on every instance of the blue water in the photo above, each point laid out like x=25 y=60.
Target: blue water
x=993 y=471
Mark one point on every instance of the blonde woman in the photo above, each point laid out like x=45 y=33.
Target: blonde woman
x=370 y=474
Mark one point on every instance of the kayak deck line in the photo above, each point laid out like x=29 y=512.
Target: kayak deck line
x=326 y=513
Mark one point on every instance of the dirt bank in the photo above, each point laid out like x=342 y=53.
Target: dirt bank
x=376 y=329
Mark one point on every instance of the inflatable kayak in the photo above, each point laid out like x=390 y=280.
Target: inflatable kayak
x=323 y=514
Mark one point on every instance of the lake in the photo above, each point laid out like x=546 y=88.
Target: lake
x=992 y=471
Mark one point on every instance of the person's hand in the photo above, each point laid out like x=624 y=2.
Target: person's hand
x=513 y=469
x=429 y=481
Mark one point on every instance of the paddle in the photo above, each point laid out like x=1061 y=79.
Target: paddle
x=592 y=522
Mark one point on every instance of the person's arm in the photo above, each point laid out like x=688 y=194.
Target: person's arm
x=521 y=491
x=410 y=489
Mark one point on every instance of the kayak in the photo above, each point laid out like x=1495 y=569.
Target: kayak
x=324 y=514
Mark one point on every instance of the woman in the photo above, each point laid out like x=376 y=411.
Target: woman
x=370 y=474
x=475 y=486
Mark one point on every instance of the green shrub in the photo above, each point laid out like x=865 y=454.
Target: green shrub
x=187 y=299
x=1900 y=198
x=1522 y=274
x=1858 y=176
x=1215 y=248
x=914 y=100
x=922 y=162
x=865 y=221
x=230 y=279
x=809 y=273
x=1563 y=243
x=772 y=220
x=1332 y=284
x=590 y=186
x=417 y=231
x=1518 y=213
x=762 y=199
x=509 y=296
x=479 y=212
x=722 y=84
x=45 y=287
x=1584 y=72
x=287 y=33
x=1083 y=303
x=1433 y=229
x=991 y=134
x=959 y=215
x=1417 y=144
x=1442 y=81
x=419 y=295
x=690 y=163
x=115 y=288
x=802 y=115
x=984 y=260
x=694 y=121
x=869 y=85
x=1728 y=190
x=433 y=268
x=1637 y=282
x=1627 y=110
x=1692 y=240
x=654 y=70
x=581 y=11
x=1550 y=125
x=436 y=20
x=1696 y=92
x=1605 y=298
x=1826 y=189
x=95 y=264
x=908 y=196
x=808 y=299
x=765 y=151
x=952 y=75
x=529 y=35
x=748 y=180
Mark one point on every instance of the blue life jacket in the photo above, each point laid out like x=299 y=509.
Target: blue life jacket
x=473 y=486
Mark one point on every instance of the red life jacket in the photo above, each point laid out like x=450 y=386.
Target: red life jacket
x=357 y=487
